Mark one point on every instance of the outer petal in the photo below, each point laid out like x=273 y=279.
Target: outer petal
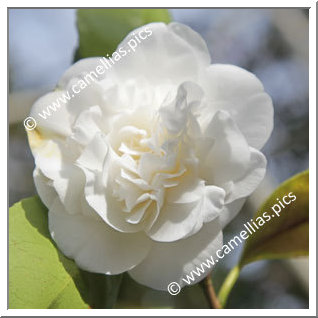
x=69 y=184
x=58 y=174
x=240 y=93
x=79 y=69
x=230 y=164
x=245 y=185
x=183 y=51
x=88 y=88
x=230 y=211
x=170 y=262
x=44 y=187
x=229 y=156
x=94 y=245
x=47 y=153
x=56 y=119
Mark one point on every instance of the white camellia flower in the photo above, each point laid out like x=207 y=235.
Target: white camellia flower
x=142 y=170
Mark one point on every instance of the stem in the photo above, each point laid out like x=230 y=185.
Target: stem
x=210 y=293
x=228 y=284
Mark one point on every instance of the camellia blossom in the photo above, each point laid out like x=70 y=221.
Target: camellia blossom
x=142 y=170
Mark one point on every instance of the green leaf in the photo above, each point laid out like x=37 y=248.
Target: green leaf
x=286 y=235
x=40 y=276
x=101 y=30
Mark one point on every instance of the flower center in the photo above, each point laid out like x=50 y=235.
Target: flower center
x=150 y=164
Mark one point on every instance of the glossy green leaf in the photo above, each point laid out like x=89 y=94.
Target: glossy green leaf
x=42 y=277
x=101 y=30
x=286 y=234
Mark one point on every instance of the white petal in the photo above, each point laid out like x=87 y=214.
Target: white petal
x=51 y=114
x=245 y=185
x=94 y=154
x=66 y=179
x=151 y=163
x=183 y=51
x=100 y=197
x=44 y=187
x=177 y=114
x=230 y=163
x=230 y=211
x=69 y=184
x=47 y=154
x=229 y=156
x=79 y=69
x=213 y=203
x=170 y=262
x=87 y=125
x=185 y=210
x=94 y=245
x=239 y=92
x=89 y=96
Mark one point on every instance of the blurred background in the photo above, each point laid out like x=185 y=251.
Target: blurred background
x=271 y=43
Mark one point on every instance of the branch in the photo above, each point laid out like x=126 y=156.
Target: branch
x=210 y=293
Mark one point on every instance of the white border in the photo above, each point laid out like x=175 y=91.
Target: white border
x=312 y=162
x=162 y=3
